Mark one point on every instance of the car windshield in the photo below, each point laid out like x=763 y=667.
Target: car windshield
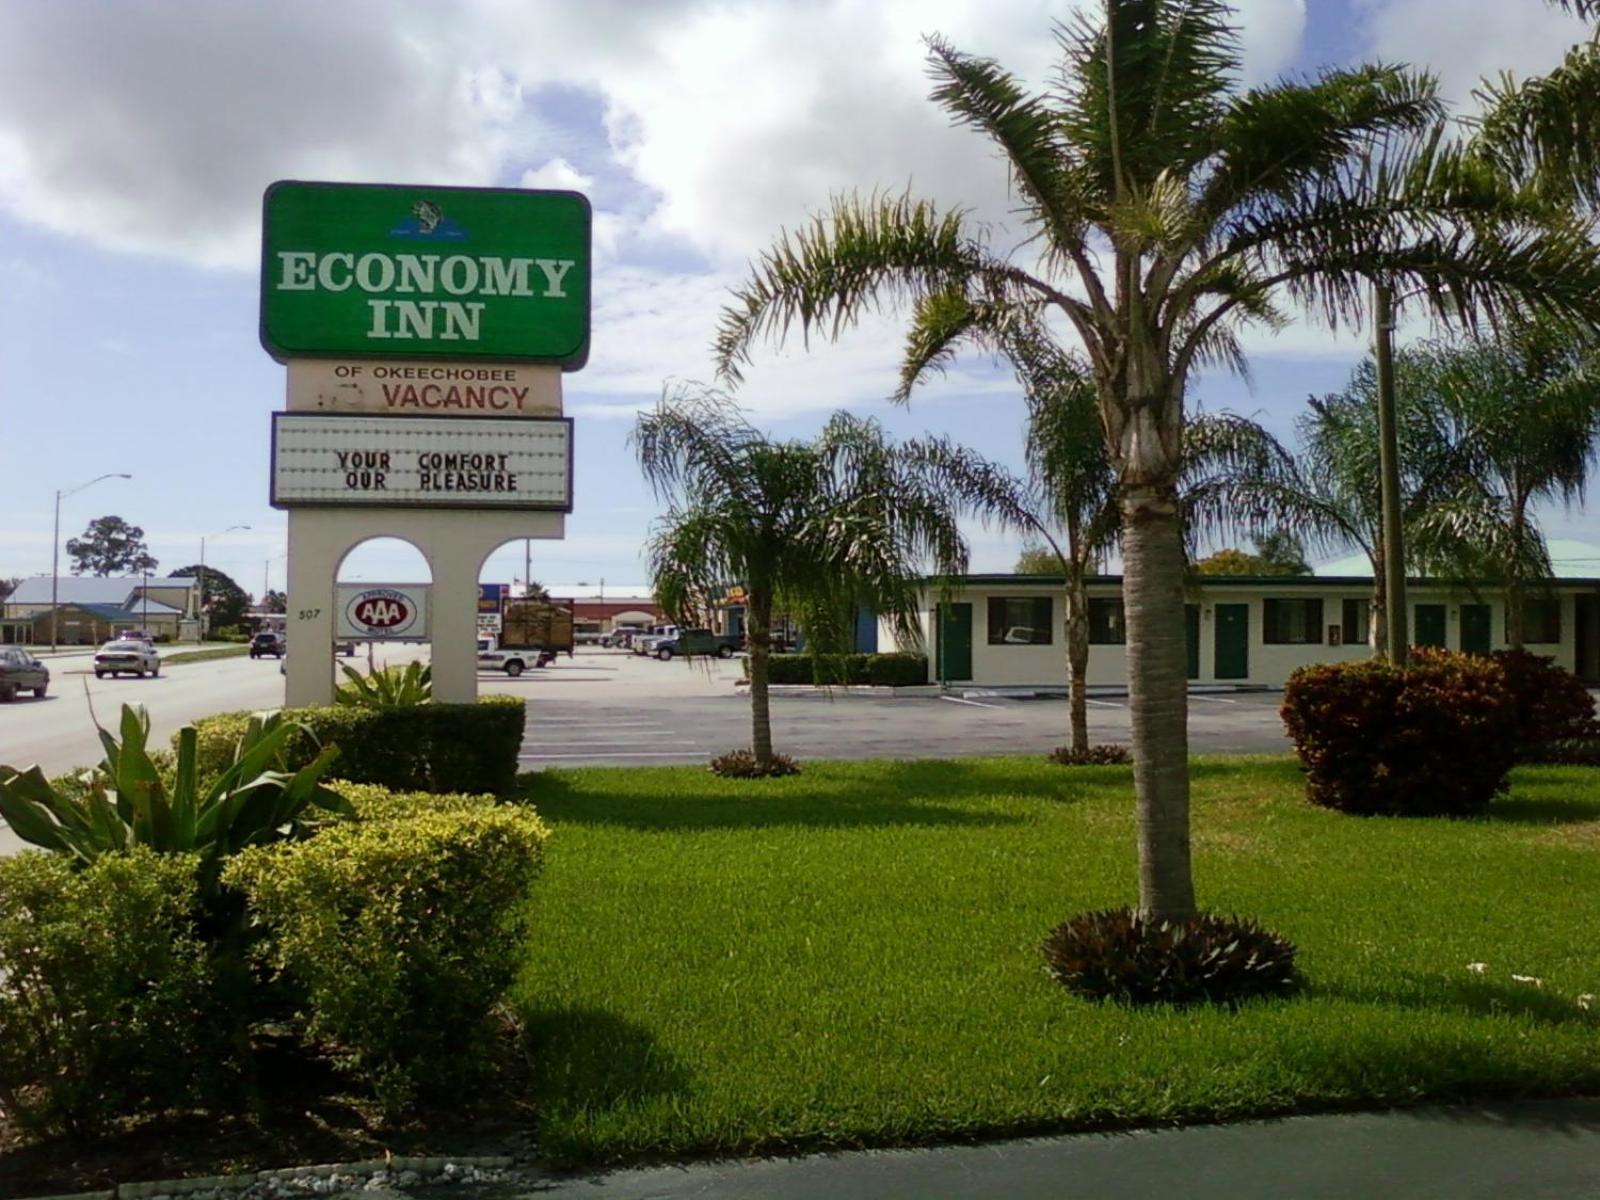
x=122 y=646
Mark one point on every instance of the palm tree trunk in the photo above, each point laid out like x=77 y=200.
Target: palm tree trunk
x=1516 y=629
x=1076 y=630
x=1378 y=618
x=1152 y=589
x=760 y=635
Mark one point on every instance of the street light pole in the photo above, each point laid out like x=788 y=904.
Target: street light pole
x=55 y=550
x=200 y=614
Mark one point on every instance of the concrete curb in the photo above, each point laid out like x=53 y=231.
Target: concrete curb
x=317 y=1179
x=742 y=688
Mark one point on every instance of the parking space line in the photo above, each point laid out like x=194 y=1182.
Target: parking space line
x=974 y=703
x=1102 y=703
x=1214 y=699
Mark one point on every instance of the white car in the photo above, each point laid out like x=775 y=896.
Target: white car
x=131 y=657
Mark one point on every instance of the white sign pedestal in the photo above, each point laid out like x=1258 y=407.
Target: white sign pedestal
x=455 y=545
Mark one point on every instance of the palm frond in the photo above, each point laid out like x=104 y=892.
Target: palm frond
x=1544 y=130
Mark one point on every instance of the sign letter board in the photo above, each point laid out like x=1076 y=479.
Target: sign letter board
x=466 y=274
x=424 y=462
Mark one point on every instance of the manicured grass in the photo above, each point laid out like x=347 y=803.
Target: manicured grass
x=191 y=656
x=850 y=957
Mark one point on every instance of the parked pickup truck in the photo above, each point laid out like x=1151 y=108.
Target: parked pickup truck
x=513 y=660
x=697 y=641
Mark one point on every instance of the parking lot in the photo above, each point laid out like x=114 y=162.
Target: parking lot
x=611 y=707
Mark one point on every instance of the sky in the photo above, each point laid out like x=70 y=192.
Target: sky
x=136 y=139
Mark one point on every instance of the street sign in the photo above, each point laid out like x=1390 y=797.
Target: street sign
x=423 y=389
x=386 y=612
x=428 y=462
x=355 y=269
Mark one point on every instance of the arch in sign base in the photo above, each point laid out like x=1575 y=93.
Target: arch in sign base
x=453 y=542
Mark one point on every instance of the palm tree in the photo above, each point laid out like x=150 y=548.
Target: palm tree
x=1328 y=494
x=818 y=527
x=1071 y=488
x=1168 y=209
x=1527 y=408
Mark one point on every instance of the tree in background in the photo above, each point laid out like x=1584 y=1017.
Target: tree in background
x=275 y=602
x=110 y=546
x=817 y=528
x=1037 y=560
x=1167 y=208
x=223 y=600
x=1526 y=408
x=1277 y=553
x=7 y=586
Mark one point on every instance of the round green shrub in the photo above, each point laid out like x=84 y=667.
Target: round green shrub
x=1118 y=955
x=1436 y=737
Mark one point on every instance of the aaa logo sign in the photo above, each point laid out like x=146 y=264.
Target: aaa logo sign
x=383 y=613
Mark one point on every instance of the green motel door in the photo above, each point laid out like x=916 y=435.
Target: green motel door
x=1232 y=640
x=1191 y=640
x=1475 y=630
x=1428 y=630
x=953 y=647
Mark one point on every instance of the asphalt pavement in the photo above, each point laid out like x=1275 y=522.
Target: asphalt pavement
x=1530 y=1151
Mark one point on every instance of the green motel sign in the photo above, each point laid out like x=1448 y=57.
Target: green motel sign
x=393 y=271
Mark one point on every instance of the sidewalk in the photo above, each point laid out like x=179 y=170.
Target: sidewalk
x=1537 y=1150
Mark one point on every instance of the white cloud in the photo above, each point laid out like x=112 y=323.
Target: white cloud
x=1465 y=41
x=557 y=174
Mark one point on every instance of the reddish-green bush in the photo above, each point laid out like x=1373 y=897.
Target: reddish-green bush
x=1551 y=702
x=742 y=764
x=1434 y=738
x=1104 y=755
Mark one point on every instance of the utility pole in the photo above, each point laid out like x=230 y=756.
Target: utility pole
x=1394 y=549
x=55 y=550
x=527 y=567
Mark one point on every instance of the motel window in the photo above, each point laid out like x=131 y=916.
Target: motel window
x=1019 y=621
x=1107 y=625
x=1291 y=622
x=1357 y=622
x=1541 y=621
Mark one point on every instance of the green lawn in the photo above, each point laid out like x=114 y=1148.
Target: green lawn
x=851 y=957
x=189 y=656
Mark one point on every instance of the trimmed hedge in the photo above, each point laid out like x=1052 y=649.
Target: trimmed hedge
x=425 y=748
x=1553 y=707
x=1437 y=737
x=105 y=990
x=874 y=670
x=400 y=932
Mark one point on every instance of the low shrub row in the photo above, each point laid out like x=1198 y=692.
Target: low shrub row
x=878 y=670
x=423 y=748
x=392 y=934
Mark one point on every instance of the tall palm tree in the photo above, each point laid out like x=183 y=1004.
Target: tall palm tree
x=1527 y=408
x=818 y=527
x=1167 y=210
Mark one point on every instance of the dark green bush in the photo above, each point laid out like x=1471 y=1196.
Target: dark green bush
x=879 y=670
x=104 y=989
x=1552 y=705
x=424 y=748
x=1091 y=756
x=1434 y=738
x=1118 y=955
x=741 y=764
x=402 y=933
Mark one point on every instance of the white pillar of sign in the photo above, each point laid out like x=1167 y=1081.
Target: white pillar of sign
x=455 y=543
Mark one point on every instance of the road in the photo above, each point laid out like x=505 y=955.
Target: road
x=610 y=707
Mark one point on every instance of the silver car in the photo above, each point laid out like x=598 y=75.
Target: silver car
x=126 y=657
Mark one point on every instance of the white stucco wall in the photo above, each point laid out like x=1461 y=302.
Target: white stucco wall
x=1269 y=664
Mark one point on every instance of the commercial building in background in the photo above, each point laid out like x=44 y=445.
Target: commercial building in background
x=1006 y=630
x=92 y=610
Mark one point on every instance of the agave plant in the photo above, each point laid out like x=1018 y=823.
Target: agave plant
x=388 y=688
x=129 y=803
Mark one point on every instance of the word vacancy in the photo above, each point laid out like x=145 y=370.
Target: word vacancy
x=423 y=275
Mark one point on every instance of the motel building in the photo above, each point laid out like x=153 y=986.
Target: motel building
x=1007 y=630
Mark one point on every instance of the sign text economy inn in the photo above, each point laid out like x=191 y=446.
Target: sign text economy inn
x=466 y=274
